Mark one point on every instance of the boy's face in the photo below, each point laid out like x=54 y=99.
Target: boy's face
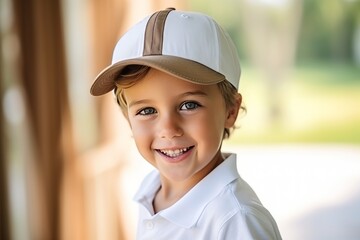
x=178 y=126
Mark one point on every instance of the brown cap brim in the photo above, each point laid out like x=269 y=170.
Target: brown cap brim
x=185 y=69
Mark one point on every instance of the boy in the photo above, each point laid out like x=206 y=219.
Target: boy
x=175 y=75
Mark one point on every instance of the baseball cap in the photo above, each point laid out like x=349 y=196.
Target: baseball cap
x=188 y=45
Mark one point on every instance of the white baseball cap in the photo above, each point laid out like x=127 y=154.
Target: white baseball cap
x=188 y=45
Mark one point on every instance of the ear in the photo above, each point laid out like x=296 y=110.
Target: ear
x=232 y=112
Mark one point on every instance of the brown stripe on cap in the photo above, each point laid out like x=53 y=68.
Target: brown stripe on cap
x=154 y=33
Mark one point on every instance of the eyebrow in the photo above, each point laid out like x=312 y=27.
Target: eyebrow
x=186 y=94
x=142 y=101
x=198 y=92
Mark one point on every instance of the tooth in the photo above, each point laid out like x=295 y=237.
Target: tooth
x=174 y=153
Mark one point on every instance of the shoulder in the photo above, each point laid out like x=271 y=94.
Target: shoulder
x=238 y=212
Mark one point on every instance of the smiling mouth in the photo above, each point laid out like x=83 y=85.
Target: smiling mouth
x=173 y=153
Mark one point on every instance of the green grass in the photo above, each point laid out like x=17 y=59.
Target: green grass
x=319 y=103
x=347 y=133
x=330 y=74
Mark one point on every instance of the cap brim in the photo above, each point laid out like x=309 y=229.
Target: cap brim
x=185 y=69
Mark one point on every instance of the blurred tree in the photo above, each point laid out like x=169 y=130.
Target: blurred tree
x=271 y=34
x=328 y=30
x=356 y=36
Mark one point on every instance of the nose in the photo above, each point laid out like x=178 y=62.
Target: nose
x=169 y=126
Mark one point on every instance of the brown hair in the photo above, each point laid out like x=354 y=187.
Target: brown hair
x=130 y=74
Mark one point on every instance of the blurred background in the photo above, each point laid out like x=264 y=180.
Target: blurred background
x=69 y=167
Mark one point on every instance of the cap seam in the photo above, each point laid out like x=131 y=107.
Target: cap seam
x=155 y=28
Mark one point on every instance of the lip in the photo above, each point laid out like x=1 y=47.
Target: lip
x=175 y=159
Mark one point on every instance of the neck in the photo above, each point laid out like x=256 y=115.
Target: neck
x=172 y=191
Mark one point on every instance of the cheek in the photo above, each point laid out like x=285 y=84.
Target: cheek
x=209 y=127
x=140 y=134
x=216 y=130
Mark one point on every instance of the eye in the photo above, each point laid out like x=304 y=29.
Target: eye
x=146 y=111
x=189 y=106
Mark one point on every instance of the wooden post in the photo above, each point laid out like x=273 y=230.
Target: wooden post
x=44 y=80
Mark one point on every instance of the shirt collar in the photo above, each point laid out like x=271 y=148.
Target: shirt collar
x=195 y=201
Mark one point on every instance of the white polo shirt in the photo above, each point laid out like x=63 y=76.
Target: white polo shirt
x=221 y=206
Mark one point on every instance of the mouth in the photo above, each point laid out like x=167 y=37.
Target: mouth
x=173 y=153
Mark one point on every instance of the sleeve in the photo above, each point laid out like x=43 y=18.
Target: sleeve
x=250 y=225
